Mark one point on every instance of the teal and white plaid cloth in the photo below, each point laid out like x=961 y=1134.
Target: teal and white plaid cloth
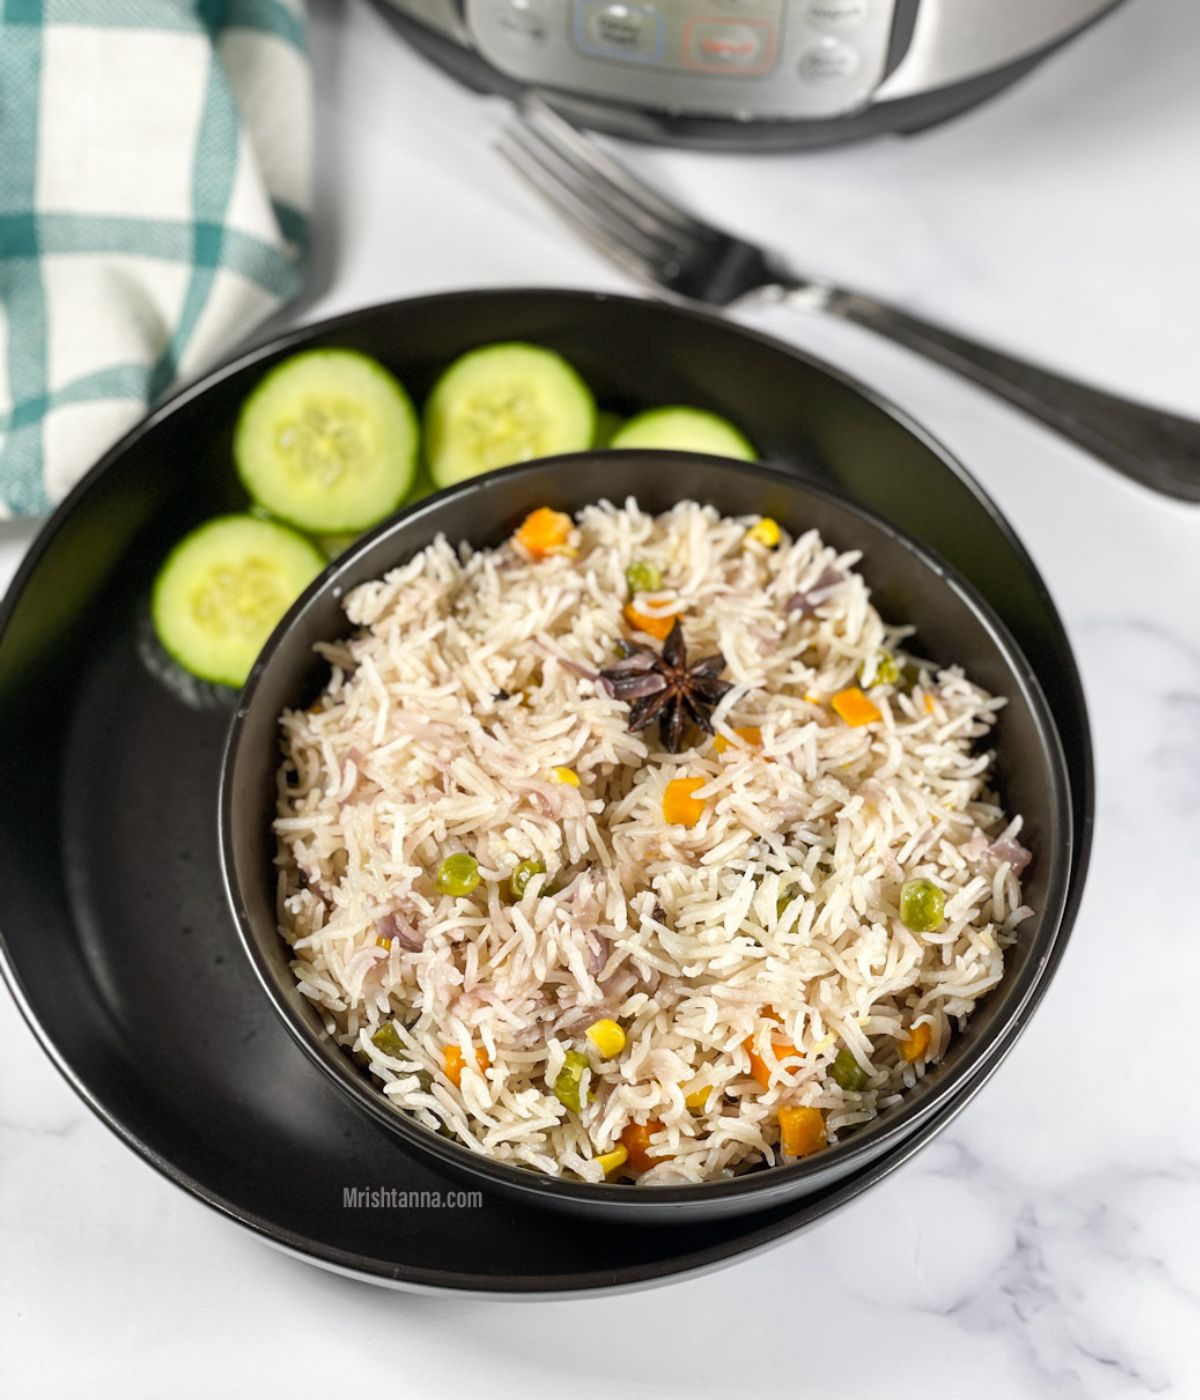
x=155 y=160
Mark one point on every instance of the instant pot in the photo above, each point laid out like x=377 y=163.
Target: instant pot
x=745 y=74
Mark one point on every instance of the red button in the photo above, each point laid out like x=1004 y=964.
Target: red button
x=742 y=46
x=733 y=47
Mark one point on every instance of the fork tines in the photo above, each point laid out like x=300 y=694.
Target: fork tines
x=602 y=201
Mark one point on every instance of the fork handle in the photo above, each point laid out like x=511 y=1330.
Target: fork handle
x=1158 y=449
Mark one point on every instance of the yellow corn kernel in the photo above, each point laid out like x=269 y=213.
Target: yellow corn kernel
x=766 y=532
x=929 y=704
x=610 y=1161
x=607 y=1037
x=383 y=943
x=698 y=1098
x=566 y=775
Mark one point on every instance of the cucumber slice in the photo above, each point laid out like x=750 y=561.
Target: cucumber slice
x=685 y=430
x=222 y=590
x=502 y=404
x=327 y=441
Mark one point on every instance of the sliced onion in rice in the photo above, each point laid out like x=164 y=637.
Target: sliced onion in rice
x=396 y=927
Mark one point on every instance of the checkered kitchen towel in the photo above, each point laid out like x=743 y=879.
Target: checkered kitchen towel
x=154 y=177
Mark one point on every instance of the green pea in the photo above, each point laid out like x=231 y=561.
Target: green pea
x=570 y=1080
x=643 y=577
x=523 y=872
x=922 y=906
x=887 y=669
x=387 y=1039
x=847 y=1072
x=458 y=874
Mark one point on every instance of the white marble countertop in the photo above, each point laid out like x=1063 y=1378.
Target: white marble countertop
x=1049 y=1243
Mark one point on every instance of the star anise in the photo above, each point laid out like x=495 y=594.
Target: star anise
x=666 y=688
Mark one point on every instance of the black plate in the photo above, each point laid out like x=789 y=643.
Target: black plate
x=116 y=939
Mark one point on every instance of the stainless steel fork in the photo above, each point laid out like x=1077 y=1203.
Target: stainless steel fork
x=683 y=258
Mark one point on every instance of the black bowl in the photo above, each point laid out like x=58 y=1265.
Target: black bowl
x=954 y=625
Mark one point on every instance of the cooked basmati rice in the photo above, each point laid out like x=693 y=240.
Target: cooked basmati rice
x=472 y=678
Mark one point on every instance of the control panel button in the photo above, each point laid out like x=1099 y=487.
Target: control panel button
x=829 y=61
x=837 y=14
x=612 y=30
x=741 y=46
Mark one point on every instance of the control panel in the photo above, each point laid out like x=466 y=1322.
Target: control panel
x=749 y=58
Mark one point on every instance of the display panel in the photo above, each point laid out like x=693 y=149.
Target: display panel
x=777 y=58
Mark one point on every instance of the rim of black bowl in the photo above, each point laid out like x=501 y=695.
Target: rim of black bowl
x=870 y=1141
